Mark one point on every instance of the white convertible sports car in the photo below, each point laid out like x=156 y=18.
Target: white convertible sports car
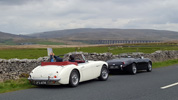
x=56 y=73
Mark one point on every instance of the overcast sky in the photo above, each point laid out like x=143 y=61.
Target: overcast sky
x=31 y=16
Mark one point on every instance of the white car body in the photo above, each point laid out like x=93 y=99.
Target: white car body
x=56 y=73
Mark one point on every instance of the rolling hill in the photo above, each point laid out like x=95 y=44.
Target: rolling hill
x=12 y=39
x=8 y=36
x=112 y=34
x=87 y=36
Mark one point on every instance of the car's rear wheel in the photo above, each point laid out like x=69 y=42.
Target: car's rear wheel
x=149 y=67
x=104 y=73
x=133 y=69
x=74 y=78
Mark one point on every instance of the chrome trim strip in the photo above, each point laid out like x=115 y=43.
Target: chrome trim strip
x=44 y=79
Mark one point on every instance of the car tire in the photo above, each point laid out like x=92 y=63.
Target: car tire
x=104 y=73
x=74 y=78
x=149 y=67
x=133 y=69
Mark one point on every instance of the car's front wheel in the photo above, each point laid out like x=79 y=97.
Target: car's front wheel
x=104 y=73
x=133 y=69
x=74 y=78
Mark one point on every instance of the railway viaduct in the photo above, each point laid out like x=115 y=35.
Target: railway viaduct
x=116 y=41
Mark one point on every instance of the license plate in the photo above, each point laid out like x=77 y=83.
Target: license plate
x=40 y=82
x=114 y=67
x=111 y=67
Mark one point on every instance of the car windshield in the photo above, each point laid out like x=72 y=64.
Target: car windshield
x=77 y=58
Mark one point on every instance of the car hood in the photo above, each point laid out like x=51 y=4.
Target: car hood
x=120 y=60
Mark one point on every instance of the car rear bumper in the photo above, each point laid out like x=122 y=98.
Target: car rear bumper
x=44 y=81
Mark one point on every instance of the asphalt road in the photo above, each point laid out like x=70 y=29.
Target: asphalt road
x=142 y=86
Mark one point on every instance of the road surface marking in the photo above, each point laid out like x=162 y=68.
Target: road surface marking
x=168 y=86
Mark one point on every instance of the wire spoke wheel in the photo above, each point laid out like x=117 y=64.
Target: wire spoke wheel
x=104 y=74
x=133 y=69
x=74 y=78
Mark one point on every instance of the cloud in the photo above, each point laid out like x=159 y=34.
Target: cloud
x=30 y=16
x=17 y=2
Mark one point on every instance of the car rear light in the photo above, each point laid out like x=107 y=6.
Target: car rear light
x=55 y=76
x=123 y=63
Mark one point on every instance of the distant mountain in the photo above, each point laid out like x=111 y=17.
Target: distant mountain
x=12 y=39
x=112 y=34
x=4 y=35
x=87 y=36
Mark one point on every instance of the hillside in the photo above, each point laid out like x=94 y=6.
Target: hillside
x=112 y=34
x=12 y=39
x=4 y=35
x=89 y=36
x=7 y=36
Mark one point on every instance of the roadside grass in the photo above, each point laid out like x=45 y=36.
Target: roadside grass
x=165 y=63
x=14 y=85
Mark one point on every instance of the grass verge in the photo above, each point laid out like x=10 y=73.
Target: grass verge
x=165 y=63
x=14 y=85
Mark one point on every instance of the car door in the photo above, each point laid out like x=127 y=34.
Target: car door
x=96 y=68
x=145 y=63
x=87 y=71
x=141 y=64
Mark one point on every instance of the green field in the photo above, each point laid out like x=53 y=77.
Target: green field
x=29 y=41
x=34 y=53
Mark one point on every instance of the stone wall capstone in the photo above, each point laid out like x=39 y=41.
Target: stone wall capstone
x=16 y=68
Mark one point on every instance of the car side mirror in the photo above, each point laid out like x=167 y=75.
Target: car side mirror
x=141 y=57
x=128 y=56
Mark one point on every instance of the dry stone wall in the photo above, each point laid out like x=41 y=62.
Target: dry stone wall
x=157 y=56
x=16 y=68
